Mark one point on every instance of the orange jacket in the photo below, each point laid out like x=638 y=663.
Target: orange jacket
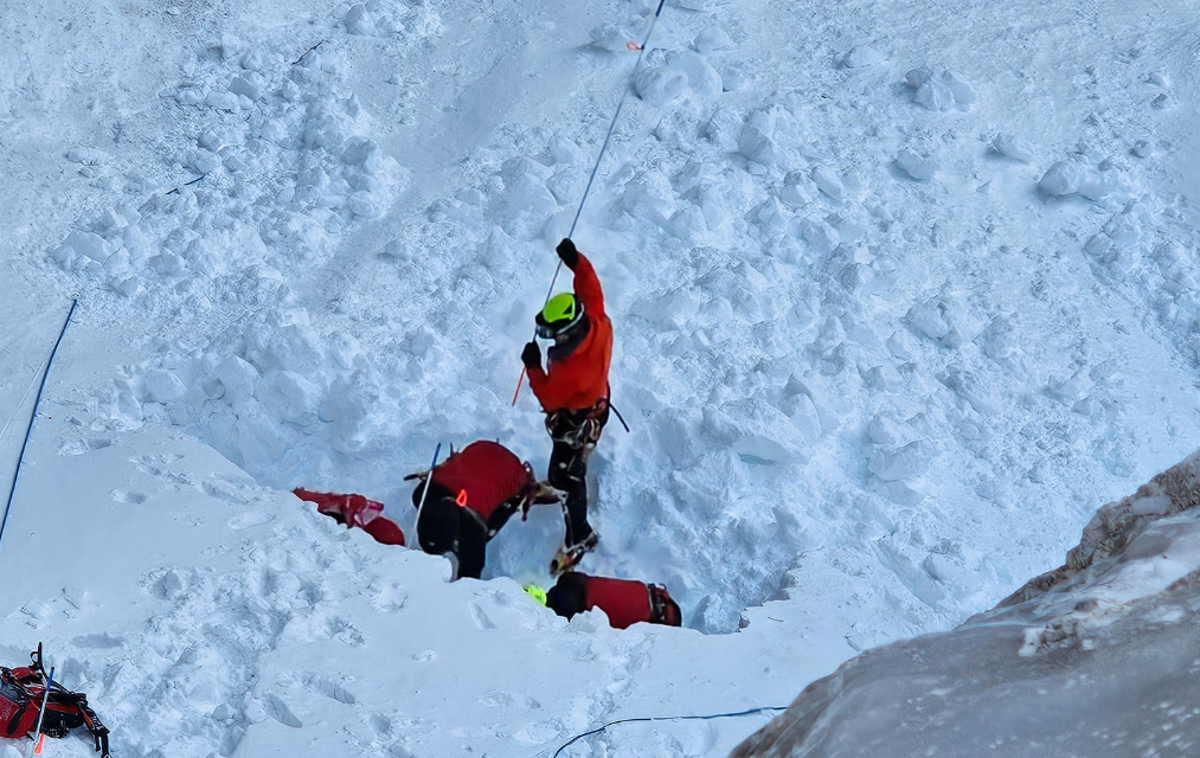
x=580 y=379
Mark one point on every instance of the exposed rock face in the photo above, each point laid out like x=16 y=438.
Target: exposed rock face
x=1097 y=658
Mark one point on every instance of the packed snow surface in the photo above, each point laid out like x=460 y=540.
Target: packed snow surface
x=900 y=293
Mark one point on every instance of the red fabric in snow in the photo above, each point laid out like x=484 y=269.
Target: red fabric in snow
x=624 y=601
x=355 y=510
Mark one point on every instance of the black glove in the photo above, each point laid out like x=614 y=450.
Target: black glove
x=531 y=356
x=566 y=250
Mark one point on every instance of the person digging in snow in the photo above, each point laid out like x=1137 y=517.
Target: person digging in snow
x=472 y=494
x=574 y=393
x=624 y=601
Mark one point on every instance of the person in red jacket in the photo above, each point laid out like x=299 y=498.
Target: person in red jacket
x=573 y=391
x=624 y=601
x=472 y=494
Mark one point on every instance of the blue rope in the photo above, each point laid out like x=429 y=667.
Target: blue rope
x=710 y=717
x=29 y=432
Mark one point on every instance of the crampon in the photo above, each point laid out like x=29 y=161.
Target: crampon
x=568 y=557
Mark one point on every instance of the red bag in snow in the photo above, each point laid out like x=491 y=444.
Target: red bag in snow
x=22 y=691
x=355 y=510
x=18 y=712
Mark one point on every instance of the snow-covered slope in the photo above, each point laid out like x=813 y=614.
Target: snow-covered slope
x=206 y=615
x=1096 y=658
x=900 y=291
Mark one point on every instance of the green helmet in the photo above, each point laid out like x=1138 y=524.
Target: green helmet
x=562 y=313
x=535 y=592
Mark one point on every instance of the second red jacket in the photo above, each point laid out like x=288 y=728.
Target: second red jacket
x=487 y=472
x=625 y=602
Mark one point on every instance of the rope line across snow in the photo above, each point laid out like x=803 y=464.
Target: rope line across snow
x=12 y=491
x=708 y=717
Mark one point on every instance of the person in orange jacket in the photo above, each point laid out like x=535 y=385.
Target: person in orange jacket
x=573 y=391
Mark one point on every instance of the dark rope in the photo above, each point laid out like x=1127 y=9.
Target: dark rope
x=619 y=416
x=597 y=730
x=612 y=125
x=12 y=491
x=300 y=60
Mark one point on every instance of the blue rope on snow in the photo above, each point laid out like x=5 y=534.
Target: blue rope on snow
x=12 y=491
x=710 y=717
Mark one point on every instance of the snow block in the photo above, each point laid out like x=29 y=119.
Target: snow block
x=830 y=183
x=862 y=56
x=919 y=167
x=1063 y=178
x=1012 y=147
x=660 y=84
x=902 y=463
x=940 y=90
x=83 y=244
x=712 y=40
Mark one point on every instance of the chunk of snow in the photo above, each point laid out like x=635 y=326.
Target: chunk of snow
x=862 y=56
x=917 y=166
x=711 y=40
x=659 y=85
x=1065 y=177
x=1012 y=147
x=829 y=183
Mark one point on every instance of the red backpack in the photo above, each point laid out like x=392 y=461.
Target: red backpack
x=22 y=691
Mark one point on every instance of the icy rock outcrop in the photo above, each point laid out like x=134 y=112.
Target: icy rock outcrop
x=1096 y=657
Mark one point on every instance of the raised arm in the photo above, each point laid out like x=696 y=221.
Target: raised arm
x=587 y=284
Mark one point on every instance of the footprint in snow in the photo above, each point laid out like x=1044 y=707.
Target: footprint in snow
x=323 y=685
x=97 y=641
x=389 y=598
x=279 y=711
x=253 y=518
x=127 y=496
x=479 y=617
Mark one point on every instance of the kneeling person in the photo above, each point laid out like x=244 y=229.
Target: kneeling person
x=624 y=601
x=472 y=495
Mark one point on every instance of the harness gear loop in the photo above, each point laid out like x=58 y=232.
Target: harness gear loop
x=582 y=426
x=461 y=500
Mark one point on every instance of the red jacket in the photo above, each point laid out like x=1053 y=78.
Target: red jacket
x=580 y=380
x=625 y=602
x=487 y=472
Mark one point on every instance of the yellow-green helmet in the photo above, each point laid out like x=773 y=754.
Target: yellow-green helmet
x=535 y=592
x=562 y=312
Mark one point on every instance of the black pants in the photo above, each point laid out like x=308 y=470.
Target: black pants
x=445 y=527
x=575 y=434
